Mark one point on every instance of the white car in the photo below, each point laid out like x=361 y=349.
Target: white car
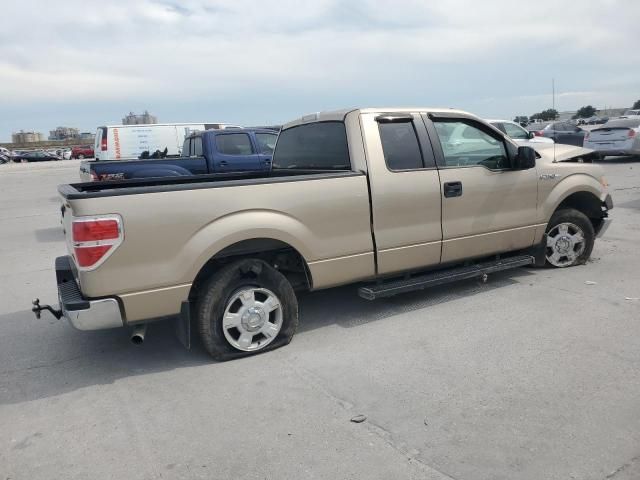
x=517 y=133
x=620 y=136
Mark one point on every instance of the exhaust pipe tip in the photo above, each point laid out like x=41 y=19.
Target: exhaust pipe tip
x=137 y=336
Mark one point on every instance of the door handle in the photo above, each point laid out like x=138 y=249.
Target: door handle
x=453 y=189
x=223 y=163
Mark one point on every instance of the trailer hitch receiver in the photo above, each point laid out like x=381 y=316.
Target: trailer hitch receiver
x=37 y=309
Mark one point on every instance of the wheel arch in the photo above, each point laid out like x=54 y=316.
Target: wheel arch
x=279 y=254
x=585 y=202
x=580 y=192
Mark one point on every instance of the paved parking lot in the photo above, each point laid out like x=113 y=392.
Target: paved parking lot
x=534 y=375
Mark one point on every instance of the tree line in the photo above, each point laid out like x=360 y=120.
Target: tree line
x=552 y=114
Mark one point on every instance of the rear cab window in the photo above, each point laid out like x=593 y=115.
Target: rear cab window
x=313 y=146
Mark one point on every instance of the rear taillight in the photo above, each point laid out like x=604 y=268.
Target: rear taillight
x=103 y=143
x=538 y=133
x=586 y=136
x=632 y=133
x=95 y=238
x=94 y=177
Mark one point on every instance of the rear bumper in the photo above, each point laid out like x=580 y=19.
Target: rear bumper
x=82 y=313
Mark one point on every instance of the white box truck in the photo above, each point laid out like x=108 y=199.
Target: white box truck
x=117 y=142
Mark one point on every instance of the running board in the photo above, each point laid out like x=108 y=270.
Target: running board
x=394 y=287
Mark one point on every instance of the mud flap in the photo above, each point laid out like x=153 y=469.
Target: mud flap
x=539 y=252
x=183 y=325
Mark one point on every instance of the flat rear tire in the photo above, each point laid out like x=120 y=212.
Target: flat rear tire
x=246 y=307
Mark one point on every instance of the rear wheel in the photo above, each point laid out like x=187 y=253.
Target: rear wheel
x=246 y=307
x=570 y=238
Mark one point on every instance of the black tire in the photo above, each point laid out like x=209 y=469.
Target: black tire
x=215 y=293
x=579 y=219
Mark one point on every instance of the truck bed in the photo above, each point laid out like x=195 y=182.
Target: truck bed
x=82 y=190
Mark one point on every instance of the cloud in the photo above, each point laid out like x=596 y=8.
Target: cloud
x=163 y=53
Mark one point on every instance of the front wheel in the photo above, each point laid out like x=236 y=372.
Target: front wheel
x=246 y=307
x=570 y=238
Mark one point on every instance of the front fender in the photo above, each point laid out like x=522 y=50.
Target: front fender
x=563 y=188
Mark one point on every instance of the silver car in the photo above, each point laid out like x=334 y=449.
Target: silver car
x=619 y=136
x=517 y=133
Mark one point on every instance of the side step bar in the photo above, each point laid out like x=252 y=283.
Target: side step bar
x=394 y=287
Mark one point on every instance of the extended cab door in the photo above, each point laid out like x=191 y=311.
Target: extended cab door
x=487 y=207
x=234 y=152
x=405 y=192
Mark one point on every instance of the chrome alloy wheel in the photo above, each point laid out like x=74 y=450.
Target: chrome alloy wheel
x=252 y=319
x=565 y=244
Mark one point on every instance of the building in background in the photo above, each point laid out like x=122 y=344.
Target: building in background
x=63 y=133
x=26 y=137
x=133 y=119
x=87 y=137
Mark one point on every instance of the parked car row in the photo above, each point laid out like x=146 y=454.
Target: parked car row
x=7 y=155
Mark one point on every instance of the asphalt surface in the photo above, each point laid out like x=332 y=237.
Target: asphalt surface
x=533 y=375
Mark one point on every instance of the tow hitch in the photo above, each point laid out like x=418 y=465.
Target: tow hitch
x=37 y=309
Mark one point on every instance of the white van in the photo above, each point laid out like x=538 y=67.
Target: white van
x=116 y=142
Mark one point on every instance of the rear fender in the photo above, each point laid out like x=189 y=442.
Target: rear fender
x=231 y=229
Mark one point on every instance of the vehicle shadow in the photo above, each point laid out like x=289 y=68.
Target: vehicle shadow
x=348 y=310
x=628 y=159
x=46 y=358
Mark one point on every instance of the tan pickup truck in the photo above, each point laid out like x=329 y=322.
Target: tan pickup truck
x=392 y=199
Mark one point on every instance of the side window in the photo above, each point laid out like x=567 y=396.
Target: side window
x=266 y=142
x=466 y=144
x=516 y=132
x=196 y=145
x=234 y=144
x=400 y=146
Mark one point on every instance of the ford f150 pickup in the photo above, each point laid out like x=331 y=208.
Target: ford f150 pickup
x=377 y=197
x=209 y=151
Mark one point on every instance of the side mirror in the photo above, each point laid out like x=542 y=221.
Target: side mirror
x=531 y=135
x=524 y=159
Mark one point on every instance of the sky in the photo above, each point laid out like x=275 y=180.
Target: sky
x=85 y=63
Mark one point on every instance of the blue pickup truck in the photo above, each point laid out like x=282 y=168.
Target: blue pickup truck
x=204 y=152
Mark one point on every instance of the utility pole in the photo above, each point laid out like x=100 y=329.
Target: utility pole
x=553 y=93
